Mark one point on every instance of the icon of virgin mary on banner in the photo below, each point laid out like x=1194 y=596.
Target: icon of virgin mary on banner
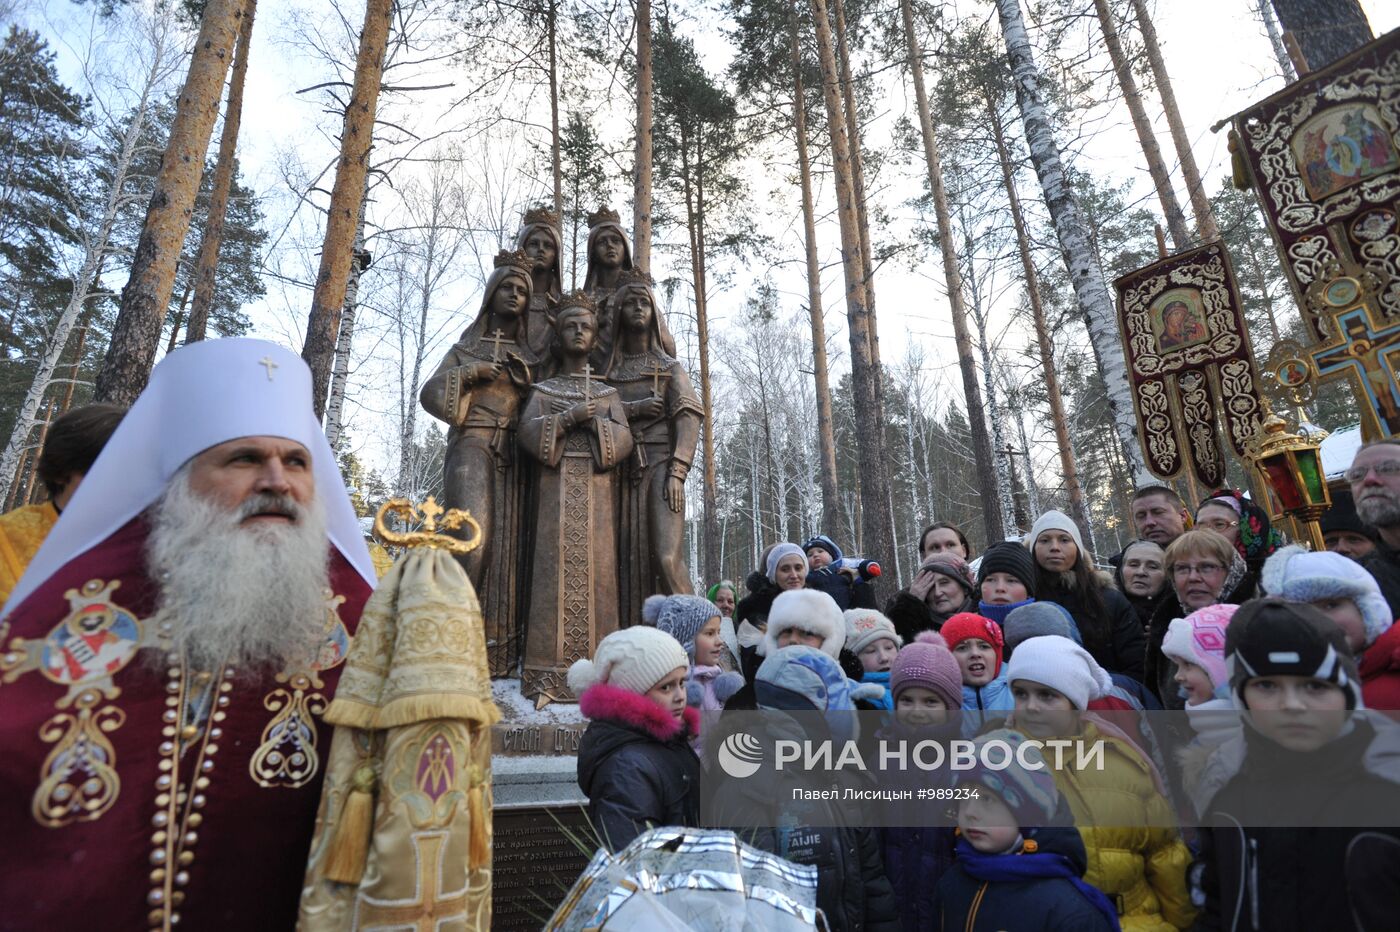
x=1189 y=362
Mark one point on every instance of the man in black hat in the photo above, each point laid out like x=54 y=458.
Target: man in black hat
x=1343 y=530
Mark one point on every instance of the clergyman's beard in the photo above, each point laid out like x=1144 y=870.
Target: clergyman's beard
x=251 y=595
x=1378 y=507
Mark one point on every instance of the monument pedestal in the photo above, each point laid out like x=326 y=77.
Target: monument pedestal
x=541 y=837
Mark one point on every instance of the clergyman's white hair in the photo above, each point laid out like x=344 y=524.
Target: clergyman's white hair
x=254 y=596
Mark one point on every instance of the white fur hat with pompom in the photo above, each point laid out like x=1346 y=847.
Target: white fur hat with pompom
x=634 y=659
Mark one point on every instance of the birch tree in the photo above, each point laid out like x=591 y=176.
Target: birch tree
x=136 y=335
x=153 y=37
x=1085 y=273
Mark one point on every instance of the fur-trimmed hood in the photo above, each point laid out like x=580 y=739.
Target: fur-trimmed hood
x=605 y=703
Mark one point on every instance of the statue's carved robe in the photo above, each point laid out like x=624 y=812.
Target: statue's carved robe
x=573 y=580
x=651 y=537
x=133 y=789
x=483 y=476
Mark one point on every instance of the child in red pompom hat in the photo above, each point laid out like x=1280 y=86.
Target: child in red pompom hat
x=976 y=643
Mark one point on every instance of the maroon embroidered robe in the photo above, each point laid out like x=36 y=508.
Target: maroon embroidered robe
x=136 y=794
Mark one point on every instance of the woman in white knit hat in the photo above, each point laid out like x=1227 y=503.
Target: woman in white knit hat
x=635 y=763
x=1120 y=808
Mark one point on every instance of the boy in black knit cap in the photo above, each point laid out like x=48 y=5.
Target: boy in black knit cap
x=1005 y=580
x=1305 y=755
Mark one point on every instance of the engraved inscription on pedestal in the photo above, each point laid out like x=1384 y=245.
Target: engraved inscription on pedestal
x=534 y=863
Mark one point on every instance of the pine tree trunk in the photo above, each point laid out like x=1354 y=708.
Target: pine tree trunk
x=1190 y=172
x=1069 y=468
x=77 y=363
x=28 y=497
x=146 y=297
x=207 y=266
x=356 y=139
x=344 y=338
x=1151 y=151
x=695 y=231
x=826 y=436
x=992 y=518
x=877 y=537
x=179 y=320
x=1001 y=448
x=1326 y=30
x=1285 y=63
x=1085 y=273
x=641 y=170
x=554 y=109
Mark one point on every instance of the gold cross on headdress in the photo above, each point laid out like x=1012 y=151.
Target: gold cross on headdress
x=267 y=363
x=496 y=338
x=655 y=370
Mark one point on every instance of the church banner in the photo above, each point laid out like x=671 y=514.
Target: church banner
x=1189 y=362
x=1323 y=157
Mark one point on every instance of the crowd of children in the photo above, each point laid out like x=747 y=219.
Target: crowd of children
x=1170 y=831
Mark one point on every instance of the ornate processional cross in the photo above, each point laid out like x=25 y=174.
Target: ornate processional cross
x=1369 y=356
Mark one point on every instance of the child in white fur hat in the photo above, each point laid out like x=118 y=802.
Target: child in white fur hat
x=804 y=616
x=1345 y=592
x=1121 y=808
x=872 y=638
x=635 y=762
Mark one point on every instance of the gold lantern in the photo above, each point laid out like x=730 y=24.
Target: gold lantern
x=1291 y=466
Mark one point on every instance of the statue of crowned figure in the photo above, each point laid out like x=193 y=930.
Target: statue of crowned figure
x=572 y=429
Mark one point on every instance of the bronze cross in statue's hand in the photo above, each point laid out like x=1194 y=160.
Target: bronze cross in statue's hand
x=496 y=338
x=655 y=370
x=587 y=373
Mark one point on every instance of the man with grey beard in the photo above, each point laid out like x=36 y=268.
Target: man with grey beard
x=167 y=655
x=1374 y=477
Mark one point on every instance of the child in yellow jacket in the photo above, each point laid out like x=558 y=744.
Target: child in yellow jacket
x=1135 y=853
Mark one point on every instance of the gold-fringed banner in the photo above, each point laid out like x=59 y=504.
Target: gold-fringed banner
x=1189 y=362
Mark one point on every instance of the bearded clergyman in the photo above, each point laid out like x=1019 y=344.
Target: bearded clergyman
x=167 y=656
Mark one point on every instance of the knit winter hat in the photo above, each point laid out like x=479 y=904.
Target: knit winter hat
x=826 y=543
x=634 y=659
x=1037 y=620
x=928 y=662
x=1008 y=557
x=1062 y=665
x=807 y=610
x=865 y=626
x=950 y=565
x=1199 y=638
x=1054 y=521
x=799 y=678
x=681 y=616
x=1030 y=794
x=966 y=625
x=779 y=551
x=1300 y=575
x=1274 y=637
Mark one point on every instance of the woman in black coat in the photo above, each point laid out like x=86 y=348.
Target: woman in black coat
x=1111 y=631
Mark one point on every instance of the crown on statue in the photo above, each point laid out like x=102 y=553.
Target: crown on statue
x=541 y=216
x=515 y=259
x=577 y=299
x=604 y=215
x=635 y=277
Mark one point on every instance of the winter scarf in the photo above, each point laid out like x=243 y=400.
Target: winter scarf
x=1257 y=539
x=1003 y=868
x=998 y=613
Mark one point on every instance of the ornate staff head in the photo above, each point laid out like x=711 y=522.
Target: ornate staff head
x=431 y=533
